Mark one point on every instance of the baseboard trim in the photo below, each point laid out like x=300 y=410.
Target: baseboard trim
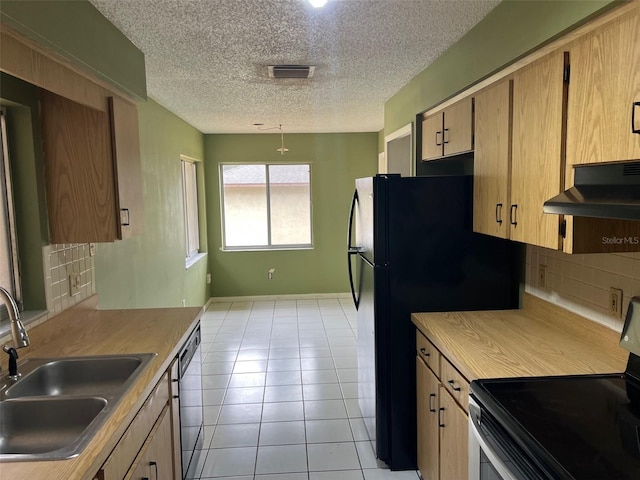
x=260 y=298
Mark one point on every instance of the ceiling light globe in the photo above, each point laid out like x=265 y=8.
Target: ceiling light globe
x=318 y=3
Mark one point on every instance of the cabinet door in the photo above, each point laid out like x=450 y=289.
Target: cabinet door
x=539 y=96
x=457 y=136
x=492 y=160
x=126 y=152
x=79 y=171
x=174 y=403
x=155 y=462
x=604 y=84
x=428 y=393
x=432 y=137
x=454 y=439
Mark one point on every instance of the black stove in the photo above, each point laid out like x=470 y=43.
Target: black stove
x=581 y=427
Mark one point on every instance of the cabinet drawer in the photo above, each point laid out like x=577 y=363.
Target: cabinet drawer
x=129 y=445
x=427 y=352
x=455 y=384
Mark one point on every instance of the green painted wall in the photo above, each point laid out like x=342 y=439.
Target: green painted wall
x=79 y=32
x=20 y=100
x=336 y=161
x=149 y=270
x=511 y=30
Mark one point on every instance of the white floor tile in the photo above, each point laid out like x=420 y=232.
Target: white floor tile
x=213 y=397
x=319 y=376
x=324 y=409
x=328 y=431
x=282 y=412
x=224 y=356
x=244 y=395
x=284 y=353
x=247 y=380
x=358 y=429
x=332 y=456
x=314 y=352
x=281 y=459
x=283 y=364
x=342 y=351
x=283 y=378
x=316 y=363
x=366 y=455
x=282 y=433
x=217 y=368
x=353 y=409
x=215 y=381
x=211 y=413
x=337 y=475
x=346 y=375
x=244 y=413
x=250 y=366
x=253 y=354
x=322 y=391
x=242 y=435
x=349 y=390
x=222 y=462
x=281 y=476
x=283 y=393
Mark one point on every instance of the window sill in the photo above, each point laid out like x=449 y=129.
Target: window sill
x=26 y=317
x=192 y=260
x=266 y=249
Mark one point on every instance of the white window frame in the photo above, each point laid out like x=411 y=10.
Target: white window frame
x=6 y=196
x=192 y=255
x=269 y=247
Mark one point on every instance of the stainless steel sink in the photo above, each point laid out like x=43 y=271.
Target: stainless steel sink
x=41 y=426
x=58 y=404
x=75 y=376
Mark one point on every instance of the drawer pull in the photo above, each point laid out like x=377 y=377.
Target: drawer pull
x=154 y=465
x=633 y=117
x=452 y=383
x=512 y=215
x=440 y=410
x=499 y=213
x=431 y=397
x=424 y=352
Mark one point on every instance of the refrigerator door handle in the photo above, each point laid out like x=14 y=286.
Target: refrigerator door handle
x=351 y=250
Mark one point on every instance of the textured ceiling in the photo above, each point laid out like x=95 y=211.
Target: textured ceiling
x=206 y=59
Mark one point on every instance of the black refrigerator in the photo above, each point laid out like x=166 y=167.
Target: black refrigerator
x=411 y=249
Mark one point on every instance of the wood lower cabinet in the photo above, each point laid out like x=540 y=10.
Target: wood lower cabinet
x=155 y=460
x=448 y=132
x=537 y=161
x=441 y=398
x=92 y=170
x=492 y=160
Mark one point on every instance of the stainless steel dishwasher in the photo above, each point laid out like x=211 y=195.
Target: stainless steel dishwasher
x=191 y=411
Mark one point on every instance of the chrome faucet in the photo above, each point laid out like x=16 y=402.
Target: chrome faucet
x=18 y=333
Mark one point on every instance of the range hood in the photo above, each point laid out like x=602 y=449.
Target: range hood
x=602 y=190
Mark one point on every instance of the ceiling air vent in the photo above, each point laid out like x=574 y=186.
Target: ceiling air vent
x=291 y=71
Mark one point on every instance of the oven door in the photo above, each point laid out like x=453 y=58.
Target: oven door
x=493 y=455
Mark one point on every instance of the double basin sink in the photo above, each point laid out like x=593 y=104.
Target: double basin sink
x=58 y=405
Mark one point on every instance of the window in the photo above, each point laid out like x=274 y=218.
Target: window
x=190 y=193
x=9 y=278
x=266 y=206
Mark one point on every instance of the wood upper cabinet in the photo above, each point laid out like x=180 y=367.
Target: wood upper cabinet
x=604 y=91
x=449 y=131
x=537 y=163
x=492 y=160
x=79 y=173
x=92 y=170
x=428 y=401
x=126 y=151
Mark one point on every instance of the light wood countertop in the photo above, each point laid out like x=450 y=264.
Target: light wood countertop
x=83 y=330
x=541 y=339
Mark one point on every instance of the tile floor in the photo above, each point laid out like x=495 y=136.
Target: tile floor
x=280 y=393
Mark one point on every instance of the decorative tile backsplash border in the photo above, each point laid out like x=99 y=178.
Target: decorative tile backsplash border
x=62 y=261
x=581 y=283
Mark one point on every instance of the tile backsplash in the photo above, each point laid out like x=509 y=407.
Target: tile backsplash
x=61 y=262
x=581 y=283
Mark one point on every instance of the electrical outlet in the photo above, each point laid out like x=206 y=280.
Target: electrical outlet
x=542 y=276
x=208 y=278
x=74 y=284
x=615 y=302
x=92 y=249
x=270 y=273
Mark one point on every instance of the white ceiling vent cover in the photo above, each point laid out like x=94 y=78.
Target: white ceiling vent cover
x=291 y=71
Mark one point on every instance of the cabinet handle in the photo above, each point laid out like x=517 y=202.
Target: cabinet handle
x=512 y=215
x=155 y=466
x=444 y=136
x=125 y=217
x=438 y=143
x=431 y=397
x=424 y=352
x=499 y=213
x=440 y=410
x=633 y=117
x=452 y=383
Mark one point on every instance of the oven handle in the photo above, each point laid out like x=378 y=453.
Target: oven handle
x=477 y=438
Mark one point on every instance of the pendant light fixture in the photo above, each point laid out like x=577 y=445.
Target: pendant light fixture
x=282 y=149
